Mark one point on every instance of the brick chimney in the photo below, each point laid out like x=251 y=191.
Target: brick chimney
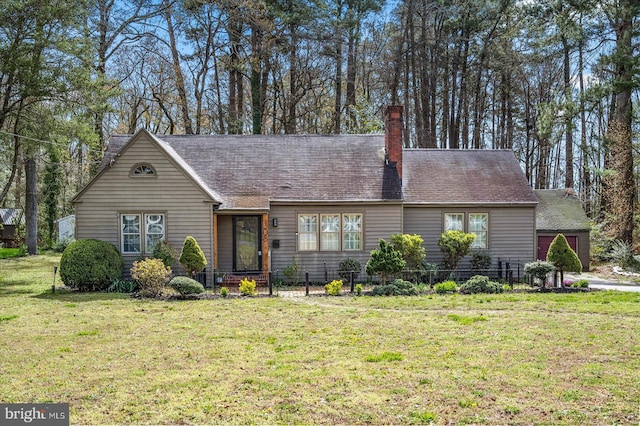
x=393 y=127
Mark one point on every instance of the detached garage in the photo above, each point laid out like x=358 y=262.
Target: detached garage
x=559 y=211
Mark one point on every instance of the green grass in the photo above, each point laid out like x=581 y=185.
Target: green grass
x=512 y=358
x=7 y=253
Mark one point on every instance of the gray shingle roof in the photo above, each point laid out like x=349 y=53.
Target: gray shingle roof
x=560 y=210
x=250 y=171
x=433 y=176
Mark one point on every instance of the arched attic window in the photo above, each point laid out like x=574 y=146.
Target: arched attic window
x=143 y=170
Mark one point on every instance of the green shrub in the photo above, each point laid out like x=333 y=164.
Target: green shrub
x=358 y=289
x=122 y=286
x=580 y=284
x=347 y=266
x=622 y=253
x=480 y=284
x=446 y=287
x=163 y=251
x=333 y=288
x=539 y=270
x=454 y=245
x=385 y=261
x=397 y=287
x=90 y=265
x=480 y=260
x=192 y=257
x=247 y=287
x=293 y=272
x=410 y=248
x=224 y=292
x=563 y=256
x=61 y=246
x=152 y=276
x=186 y=285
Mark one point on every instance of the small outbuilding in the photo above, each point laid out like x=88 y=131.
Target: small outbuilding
x=10 y=220
x=559 y=211
x=66 y=228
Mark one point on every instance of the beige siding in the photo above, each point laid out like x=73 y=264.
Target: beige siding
x=170 y=192
x=511 y=231
x=380 y=221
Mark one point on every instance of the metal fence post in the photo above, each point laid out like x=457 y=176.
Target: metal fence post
x=270 y=277
x=306 y=283
x=352 y=278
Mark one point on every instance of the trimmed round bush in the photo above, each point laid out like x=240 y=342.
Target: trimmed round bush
x=480 y=284
x=186 y=285
x=90 y=265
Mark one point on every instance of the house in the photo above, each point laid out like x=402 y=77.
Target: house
x=10 y=220
x=262 y=203
x=561 y=212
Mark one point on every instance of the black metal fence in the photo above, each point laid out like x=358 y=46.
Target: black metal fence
x=276 y=282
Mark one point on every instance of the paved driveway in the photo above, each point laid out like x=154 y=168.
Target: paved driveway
x=622 y=284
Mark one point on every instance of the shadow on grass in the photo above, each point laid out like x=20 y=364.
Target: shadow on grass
x=64 y=295
x=16 y=287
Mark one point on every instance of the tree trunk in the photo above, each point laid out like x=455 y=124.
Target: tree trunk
x=291 y=118
x=621 y=185
x=235 y=77
x=568 y=117
x=352 y=58
x=337 y=107
x=256 y=79
x=586 y=175
x=31 y=206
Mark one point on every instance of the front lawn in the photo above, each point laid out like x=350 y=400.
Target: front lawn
x=7 y=253
x=512 y=358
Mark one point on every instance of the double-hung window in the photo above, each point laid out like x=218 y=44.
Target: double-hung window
x=308 y=232
x=330 y=232
x=154 y=230
x=131 y=233
x=352 y=232
x=453 y=222
x=479 y=226
x=139 y=233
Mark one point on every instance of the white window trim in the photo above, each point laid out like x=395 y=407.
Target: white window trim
x=299 y=233
x=444 y=220
x=360 y=232
x=486 y=214
x=318 y=234
x=142 y=217
x=339 y=232
x=122 y=233
x=132 y=172
x=147 y=249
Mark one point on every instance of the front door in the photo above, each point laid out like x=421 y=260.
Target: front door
x=247 y=237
